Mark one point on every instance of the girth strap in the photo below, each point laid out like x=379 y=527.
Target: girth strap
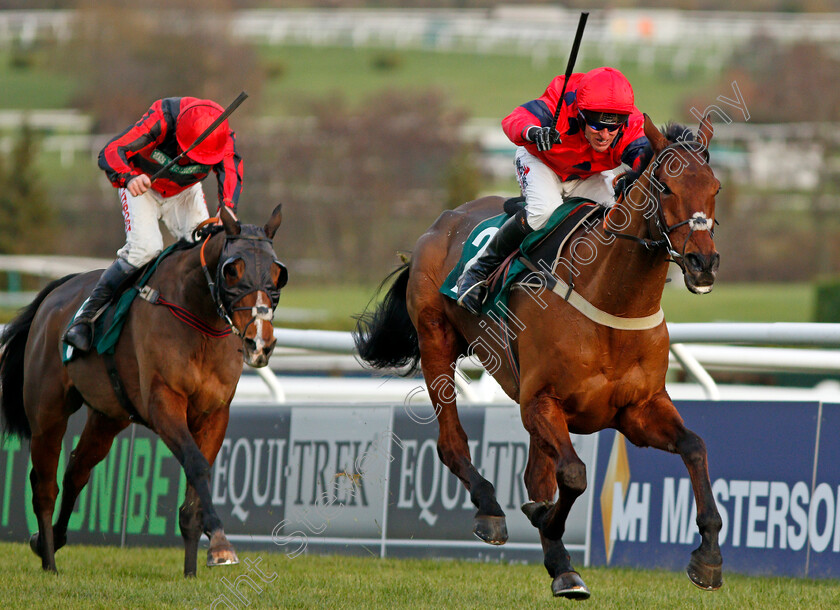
x=119 y=389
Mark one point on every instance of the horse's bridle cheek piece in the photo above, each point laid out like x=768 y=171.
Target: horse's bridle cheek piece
x=253 y=250
x=658 y=228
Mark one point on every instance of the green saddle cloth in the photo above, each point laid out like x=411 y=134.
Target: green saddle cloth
x=477 y=240
x=109 y=324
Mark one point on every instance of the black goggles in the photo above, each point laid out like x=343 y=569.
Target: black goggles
x=603 y=120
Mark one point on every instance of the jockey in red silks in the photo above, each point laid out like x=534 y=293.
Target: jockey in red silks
x=168 y=128
x=598 y=129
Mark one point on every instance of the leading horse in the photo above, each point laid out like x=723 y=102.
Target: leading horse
x=207 y=309
x=590 y=358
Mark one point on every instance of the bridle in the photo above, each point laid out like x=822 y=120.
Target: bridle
x=658 y=228
x=255 y=247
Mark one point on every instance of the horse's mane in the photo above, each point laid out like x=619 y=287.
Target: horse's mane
x=198 y=237
x=673 y=132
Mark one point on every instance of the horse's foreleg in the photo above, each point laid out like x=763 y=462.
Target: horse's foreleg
x=438 y=355
x=189 y=519
x=45 y=449
x=94 y=444
x=553 y=465
x=658 y=424
x=209 y=439
x=167 y=415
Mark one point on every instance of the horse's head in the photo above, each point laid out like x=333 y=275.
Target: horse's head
x=248 y=282
x=683 y=187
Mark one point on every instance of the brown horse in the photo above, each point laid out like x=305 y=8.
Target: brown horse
x=593 y=362
x=178 y=374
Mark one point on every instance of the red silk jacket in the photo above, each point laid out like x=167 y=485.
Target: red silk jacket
x=573 y=158
x=150 y=144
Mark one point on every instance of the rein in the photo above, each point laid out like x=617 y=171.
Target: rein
x=697 y=222
x=153 y=296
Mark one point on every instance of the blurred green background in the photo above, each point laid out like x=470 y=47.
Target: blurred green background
x=364 y=142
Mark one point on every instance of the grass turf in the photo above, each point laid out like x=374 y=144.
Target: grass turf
x=107 y=577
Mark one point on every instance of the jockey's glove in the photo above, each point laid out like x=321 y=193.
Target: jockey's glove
x=543 y=137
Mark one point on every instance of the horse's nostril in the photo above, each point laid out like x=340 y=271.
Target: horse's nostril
x=250 y=344
x=695 y=261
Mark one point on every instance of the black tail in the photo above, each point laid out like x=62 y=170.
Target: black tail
x=12 y=346
x=386 y=338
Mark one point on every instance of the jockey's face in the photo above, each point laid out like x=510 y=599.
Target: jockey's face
x=600 y=140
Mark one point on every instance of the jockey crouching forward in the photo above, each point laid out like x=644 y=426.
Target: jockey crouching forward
x=169 y=127
x=599 y=128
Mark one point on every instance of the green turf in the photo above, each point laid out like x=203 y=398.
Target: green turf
x=106 y=577
x=740 y=303
x=324 y=307
x=332 y=307
x=485 y=85
x=34 y=87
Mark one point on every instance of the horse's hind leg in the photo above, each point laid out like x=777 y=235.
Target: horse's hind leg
x=438 y=355
x=658 y=424
x=45 y=449
x=553 y=464
x=94 y=444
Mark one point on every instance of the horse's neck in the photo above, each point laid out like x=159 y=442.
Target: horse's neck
x=627 y=278
x=188 y=283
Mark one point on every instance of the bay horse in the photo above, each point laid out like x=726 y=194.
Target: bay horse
x=177 y=378
x=581 y=367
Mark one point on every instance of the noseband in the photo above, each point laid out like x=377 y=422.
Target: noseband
x=658 y=228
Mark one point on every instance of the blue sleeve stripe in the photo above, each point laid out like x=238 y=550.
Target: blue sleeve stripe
x=634 y=150
x=540 y=110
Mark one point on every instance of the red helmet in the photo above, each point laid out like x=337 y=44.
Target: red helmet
x=605 y=90
x=195 y=117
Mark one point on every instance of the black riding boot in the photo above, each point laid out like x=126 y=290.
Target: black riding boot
x=472 y=285
x=80 y=334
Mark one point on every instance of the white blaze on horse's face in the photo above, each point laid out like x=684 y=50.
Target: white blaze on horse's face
x=260 y=345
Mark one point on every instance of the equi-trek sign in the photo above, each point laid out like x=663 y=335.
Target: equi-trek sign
x=310 y=478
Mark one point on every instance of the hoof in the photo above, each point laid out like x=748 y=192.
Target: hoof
x=570 y=585
x=492 y=530
x=705 y=576
x=221 y=557
x=221 y=551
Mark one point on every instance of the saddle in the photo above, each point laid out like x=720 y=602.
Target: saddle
x=540 y=251
x=109 y=321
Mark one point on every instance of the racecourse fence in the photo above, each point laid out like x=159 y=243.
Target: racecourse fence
x=366 y=479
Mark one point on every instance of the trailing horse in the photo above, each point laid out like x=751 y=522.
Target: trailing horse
x=205 y=309
x=580 y=356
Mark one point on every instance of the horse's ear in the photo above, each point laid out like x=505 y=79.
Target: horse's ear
x=654 y=136
x=229 y=221
x=274 y=222
x=706 y=131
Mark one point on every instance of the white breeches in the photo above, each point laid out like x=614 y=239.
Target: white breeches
x=180 y=213
x=544 y=191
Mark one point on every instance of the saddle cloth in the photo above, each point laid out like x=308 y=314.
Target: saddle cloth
x=110 y=321
x=565 y=219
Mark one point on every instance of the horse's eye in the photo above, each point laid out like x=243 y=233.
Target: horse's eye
x=665 y=189
x=232 y=270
